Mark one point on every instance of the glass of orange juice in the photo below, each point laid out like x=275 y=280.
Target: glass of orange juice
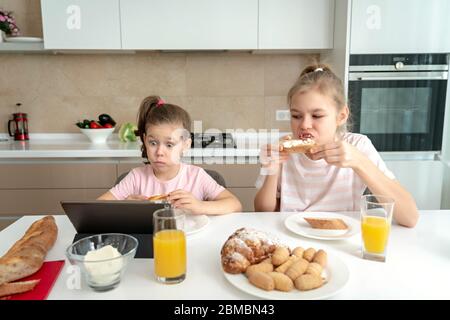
x=169 y=245
x=376 y=219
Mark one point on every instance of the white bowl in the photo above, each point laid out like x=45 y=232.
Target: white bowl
x=98 y=135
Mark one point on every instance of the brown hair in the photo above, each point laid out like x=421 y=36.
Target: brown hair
x=318 y=76
x=154 y=111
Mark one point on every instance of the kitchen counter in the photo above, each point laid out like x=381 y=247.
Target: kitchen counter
x=63 y=146
x=417 y=263
x=70 y=146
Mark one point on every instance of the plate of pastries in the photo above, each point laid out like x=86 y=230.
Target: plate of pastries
x=259 y=264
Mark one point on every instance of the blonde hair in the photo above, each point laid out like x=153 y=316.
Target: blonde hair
x=320 y=77
x=154 y=111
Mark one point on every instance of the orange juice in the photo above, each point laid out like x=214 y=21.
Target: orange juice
x=375 y=232
x=169 y=248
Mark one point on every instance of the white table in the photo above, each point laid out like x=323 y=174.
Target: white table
x=417 y=267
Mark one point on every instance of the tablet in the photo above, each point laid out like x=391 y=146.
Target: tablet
x=112 y=216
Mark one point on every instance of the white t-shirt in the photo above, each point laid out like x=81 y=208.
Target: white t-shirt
x=308 y=185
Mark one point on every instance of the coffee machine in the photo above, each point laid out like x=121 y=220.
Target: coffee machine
x=20 y=121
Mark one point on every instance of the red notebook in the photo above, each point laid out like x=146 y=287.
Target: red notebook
x=48 y=274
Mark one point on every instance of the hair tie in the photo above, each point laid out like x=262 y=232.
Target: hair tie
x=318 y=69
x=160 y=102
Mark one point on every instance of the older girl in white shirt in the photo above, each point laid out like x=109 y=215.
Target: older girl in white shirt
x=334 y=174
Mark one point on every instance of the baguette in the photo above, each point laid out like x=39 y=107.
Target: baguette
x=27 y=255
x=8 y=289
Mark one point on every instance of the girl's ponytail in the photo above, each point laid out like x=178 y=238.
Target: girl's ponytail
x=318 y=67
x=146 y=106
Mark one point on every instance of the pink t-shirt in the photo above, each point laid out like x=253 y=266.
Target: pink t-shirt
x=142 y=181
x=308 y=185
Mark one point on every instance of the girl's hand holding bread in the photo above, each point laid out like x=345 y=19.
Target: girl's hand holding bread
x=186 y=200
x=272 y=157
x=339 y=153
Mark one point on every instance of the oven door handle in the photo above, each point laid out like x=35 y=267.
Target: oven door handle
x=364 y=76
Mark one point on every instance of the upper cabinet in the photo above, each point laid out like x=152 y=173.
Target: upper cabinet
x=400 y=26
x=296 y=24
x=81 y=24
x=189 y=25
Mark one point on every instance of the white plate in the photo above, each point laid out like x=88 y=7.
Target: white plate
x=336 y=275
x=298 y=225
x=23 y=39
x=195 y=223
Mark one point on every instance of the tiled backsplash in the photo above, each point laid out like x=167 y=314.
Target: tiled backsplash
x=224 y=90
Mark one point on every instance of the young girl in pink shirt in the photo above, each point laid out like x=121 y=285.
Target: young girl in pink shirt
x=334 y=174
x=164 y=132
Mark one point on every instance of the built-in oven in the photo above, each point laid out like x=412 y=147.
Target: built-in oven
x=398 y=101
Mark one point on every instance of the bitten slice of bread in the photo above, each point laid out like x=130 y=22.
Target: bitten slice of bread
x=297 y=145
x=324 y=223
x=158 y=197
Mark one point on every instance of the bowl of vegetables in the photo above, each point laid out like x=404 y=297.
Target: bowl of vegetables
x=99 y=130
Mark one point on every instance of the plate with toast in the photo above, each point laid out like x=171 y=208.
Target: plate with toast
x=323 y=225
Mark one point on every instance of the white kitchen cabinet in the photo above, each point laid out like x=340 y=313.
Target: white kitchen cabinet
x=38 y=188
x=423 y=179
x=81 y=24
x=400 y=26
x=296 y=24
x=189 y=25
x=445 y=202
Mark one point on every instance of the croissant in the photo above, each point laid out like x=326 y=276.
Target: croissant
x=246 y=247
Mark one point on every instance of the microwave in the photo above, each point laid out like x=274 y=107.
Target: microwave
x=398 y=101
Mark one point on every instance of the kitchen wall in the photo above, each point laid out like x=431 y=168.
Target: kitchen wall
x=224 y=89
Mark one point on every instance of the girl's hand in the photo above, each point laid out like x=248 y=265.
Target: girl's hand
x=185 y=200
x=339 y=153
x=136 y=197
x=271 y=157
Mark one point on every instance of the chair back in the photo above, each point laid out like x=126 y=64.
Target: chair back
x=119 y=178
x=217 y=177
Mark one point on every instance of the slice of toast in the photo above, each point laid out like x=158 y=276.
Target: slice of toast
x=10 y=288
x=325 y=223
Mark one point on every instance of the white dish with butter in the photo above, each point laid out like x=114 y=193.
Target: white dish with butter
x=103 y=258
